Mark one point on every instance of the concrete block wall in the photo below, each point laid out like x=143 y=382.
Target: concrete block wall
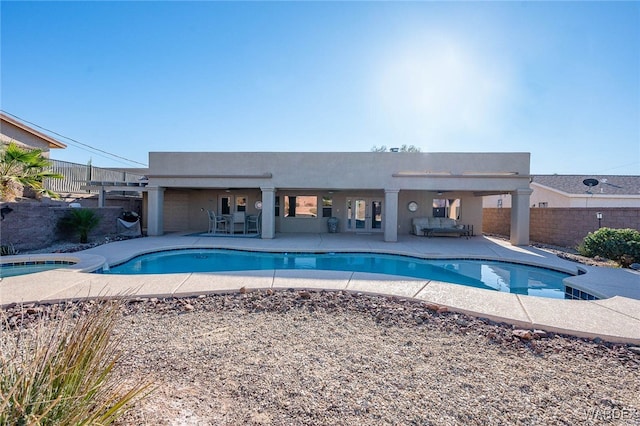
x=565 y=227
x=34 y=225
x=496 y=221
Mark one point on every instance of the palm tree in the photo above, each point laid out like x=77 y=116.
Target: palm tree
x=21 y=168
x=81 y=221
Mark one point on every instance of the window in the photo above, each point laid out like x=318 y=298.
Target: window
x=241 y=203
x=443 y=207
x=327 y=206
x=227 y=204
x=305 y=206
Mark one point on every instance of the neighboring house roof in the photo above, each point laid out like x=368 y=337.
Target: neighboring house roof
x=606 y=184
x=52 y=143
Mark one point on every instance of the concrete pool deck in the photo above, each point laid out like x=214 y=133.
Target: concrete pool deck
x=615 y=318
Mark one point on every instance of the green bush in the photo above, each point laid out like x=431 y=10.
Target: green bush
x=59 y=371
x=80 y=221
x=620 y=245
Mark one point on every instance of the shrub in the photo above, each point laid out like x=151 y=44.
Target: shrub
x=60 y=374
x=80 y=221
x=621 y=245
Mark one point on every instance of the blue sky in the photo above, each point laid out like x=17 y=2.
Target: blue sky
x=560 y=80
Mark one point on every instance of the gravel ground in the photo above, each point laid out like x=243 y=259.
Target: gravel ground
x=336 y=358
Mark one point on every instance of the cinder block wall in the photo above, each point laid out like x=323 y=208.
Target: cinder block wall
x=565 y=227
x=496 y=221
x=32 y=226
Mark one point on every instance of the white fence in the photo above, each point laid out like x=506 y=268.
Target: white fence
x=78 y=175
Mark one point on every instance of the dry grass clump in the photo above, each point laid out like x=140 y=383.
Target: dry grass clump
x=58 y=370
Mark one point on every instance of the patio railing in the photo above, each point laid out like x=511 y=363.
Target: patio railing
x=77 y=176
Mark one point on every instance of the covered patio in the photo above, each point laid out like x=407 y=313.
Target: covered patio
x=367 y=193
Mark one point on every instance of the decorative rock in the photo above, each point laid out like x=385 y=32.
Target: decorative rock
x=336 y=363
x=432 y=307
x=304 y=295
x=442 y=309
x=539 y=334
x=523 y=334
x=462 y=322
x=243 y=290
x=188 y=307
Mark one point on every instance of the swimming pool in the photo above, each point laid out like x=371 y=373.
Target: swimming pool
x=486 y=274
x=30 y=267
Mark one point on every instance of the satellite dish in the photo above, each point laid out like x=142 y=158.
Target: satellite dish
x=590 y=182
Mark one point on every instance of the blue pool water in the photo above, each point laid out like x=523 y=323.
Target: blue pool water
x=500 y=276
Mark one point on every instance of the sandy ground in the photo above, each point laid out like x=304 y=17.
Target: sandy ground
x=336 y=358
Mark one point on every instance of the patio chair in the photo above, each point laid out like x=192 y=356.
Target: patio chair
x=215 y=222
x=254 y=223
x=239 y=218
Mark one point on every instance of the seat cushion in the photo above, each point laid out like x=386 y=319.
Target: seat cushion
x=446 y=222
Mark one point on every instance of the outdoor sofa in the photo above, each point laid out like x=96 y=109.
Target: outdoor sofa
x=432 y=226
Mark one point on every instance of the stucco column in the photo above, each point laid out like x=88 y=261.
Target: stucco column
x=101 y=197
x=520 y=216
x=155 y=207
x=391 y=215
x=268 y=212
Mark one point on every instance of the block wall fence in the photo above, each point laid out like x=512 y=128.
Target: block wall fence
x=564 y=227
x=34 y=225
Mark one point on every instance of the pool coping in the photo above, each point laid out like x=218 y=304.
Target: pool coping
x=77 y=262
x=614 y=319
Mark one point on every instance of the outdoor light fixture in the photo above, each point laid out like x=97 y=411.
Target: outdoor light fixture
x=599 y=216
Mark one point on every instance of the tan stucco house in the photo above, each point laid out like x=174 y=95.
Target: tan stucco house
x=577 y=191
x=13 y=130
x=370 y=192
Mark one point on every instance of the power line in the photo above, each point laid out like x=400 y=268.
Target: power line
x=73 y=140
x=618 y=167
